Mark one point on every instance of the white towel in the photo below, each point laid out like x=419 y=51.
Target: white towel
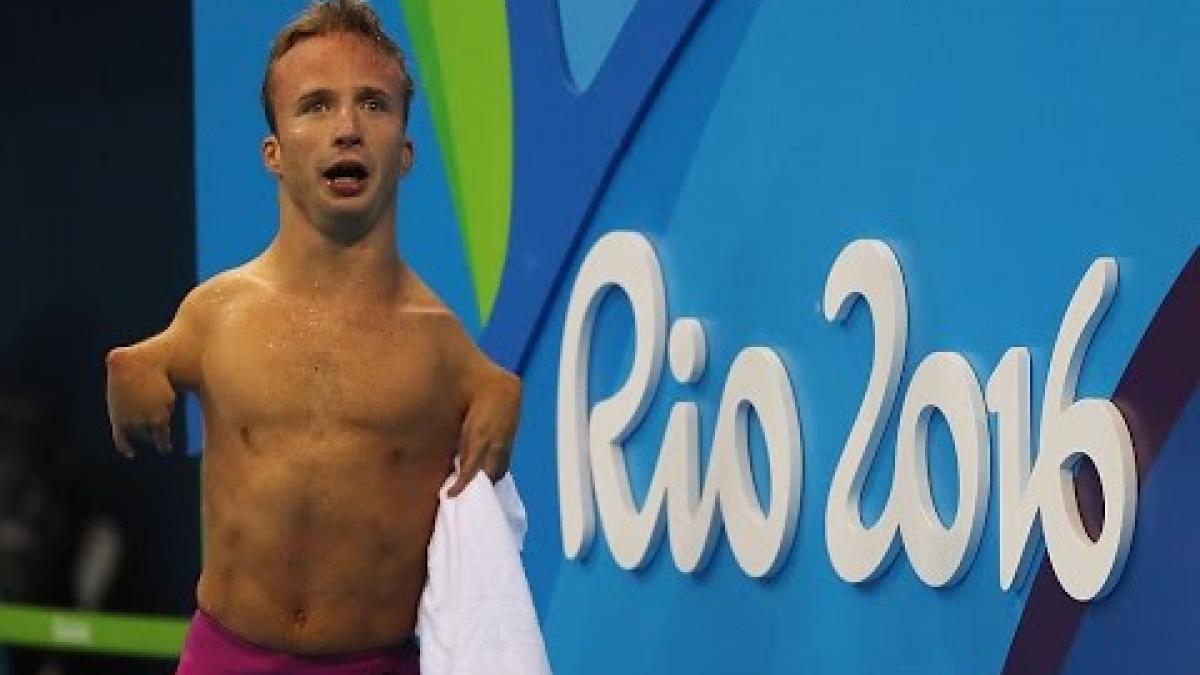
x=476 y=615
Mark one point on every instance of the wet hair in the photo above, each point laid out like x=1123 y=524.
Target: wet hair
x=329 y=17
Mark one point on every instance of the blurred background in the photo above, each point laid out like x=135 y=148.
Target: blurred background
x=98 y=250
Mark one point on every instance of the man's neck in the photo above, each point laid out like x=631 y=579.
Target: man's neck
x=309 y=259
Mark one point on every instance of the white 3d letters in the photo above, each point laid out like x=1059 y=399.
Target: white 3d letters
x=591 y=440
x=591 y=461
x=1070 y=430
x=944 y=382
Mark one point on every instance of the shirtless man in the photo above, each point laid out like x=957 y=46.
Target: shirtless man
x=336 y=387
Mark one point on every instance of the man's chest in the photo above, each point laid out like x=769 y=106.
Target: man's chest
x=269 y=363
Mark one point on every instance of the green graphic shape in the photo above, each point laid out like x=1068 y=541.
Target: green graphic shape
x=70 y=630
x=462 y=52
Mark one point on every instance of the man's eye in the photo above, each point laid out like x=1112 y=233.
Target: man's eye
x=374 y=104
x=315 y=107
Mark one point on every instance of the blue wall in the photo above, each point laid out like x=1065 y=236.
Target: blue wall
x=997 y=148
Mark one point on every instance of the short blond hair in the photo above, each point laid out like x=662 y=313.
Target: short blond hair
x=328 y=17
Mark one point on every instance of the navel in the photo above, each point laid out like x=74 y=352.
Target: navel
x=386 y=547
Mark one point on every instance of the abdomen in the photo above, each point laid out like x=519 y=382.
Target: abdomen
x=315 y=535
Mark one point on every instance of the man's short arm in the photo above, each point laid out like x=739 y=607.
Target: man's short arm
x=143 y=379
x=175 y=352
x=492 y=401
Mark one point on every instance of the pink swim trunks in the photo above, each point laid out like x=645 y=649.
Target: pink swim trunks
x=210 y=649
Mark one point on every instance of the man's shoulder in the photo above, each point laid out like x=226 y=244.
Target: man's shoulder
x=438 y=319
x=213 y=295
x=438 y=323
x=422 y=303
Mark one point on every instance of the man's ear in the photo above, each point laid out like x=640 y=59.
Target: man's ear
x=406 y=157
x=271 y=155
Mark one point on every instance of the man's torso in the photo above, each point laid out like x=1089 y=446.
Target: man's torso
x=329 y=427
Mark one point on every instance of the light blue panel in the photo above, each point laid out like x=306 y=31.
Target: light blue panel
x=236 y=212
x=589 y=30
x=999 y=151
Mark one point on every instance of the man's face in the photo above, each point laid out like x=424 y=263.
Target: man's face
x=340 y=146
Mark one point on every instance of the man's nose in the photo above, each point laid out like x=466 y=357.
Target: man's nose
x=347 y=133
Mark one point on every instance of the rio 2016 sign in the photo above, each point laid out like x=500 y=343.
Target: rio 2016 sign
x=592 y=472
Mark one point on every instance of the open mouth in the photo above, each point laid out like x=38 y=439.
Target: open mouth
x=346 y=178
